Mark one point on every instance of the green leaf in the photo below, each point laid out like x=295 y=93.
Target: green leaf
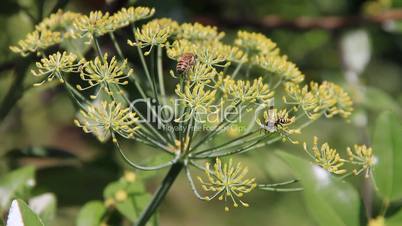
x=91 y=214
x=45 y=206
x=330 y=201
x=387 y=148
x=377 y=100
x=395 y=220
x=132 y=206
x=21 y=215
x=15 y=183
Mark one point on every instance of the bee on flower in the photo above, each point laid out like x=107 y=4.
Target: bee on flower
x=226 y=182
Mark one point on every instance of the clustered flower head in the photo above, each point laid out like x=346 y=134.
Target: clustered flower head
x=36 y=41
x=244 y=91
x=154 y=33
x=326 y=157
x=326 y=98
x=280 y=66
x=198 y=32
x=208 y=84
x=93 y=25
x=106 y=118
x=54 y=65
x=256 y=43
x=60 y=21
x=127 y=16
x=227 y=182
x=362 y=157
x=104 y=73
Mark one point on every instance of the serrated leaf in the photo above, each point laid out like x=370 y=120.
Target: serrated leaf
x=387 y=148
x=14 y=183
x=329 y=201
x=45 y=206
x=91 y=214
x=21 y=215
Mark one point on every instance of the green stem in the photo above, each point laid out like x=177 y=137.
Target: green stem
x=160 y=193
x=16 y=89
x=116 y=45
x=97 y=47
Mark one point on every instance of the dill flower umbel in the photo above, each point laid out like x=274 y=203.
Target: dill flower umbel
x=95 y=24
x=60 y=21
x=196 y=98
x=326 y=157
x=301 y=97
x=244 y=91
x=362 y=157
x=104 y=119
x=201 y=73
x=154 y=33
x=104 y=73
x=127 y=16
x=256 y=43
x=227 y=182
x=199 y=32
x=55 y=64
x=280 y=66
x=36 y=41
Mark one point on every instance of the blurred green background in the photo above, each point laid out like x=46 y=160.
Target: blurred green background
x=355 y=43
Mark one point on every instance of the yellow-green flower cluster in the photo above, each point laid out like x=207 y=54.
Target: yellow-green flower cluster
x=326 y=98
x=154 y=33
x=127 y=16
x=280 y=66
x=104 y=119
x=198 y=32
x=55 y=64
x=226 y=181
x=60 y=21
x=195 y=97
x=256 y=43
x=101 y=72
x=93 y=25
x=326 y=157
x=362 y=157
x=212 y=53
x=201 y=73
x=245 y=91
x=36 y=41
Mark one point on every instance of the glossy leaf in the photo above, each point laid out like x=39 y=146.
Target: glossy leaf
x=21 y=215
x=91 y=214
x=387 y=147
x=14 y=183
x=330 y=201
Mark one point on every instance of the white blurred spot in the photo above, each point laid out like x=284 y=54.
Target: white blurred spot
x=356 y=51
x=14 y=216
